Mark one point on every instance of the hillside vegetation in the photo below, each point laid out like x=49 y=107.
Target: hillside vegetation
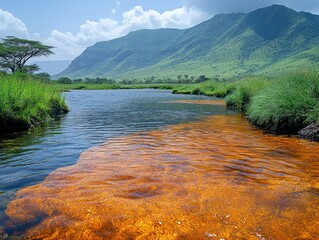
x=266 y=41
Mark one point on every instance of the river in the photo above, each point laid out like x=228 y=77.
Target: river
x=146 y=164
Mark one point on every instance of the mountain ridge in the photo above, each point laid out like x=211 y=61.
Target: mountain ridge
x=274 y=38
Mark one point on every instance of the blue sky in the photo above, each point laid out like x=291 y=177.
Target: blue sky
x=42 y=16
x=73 y=25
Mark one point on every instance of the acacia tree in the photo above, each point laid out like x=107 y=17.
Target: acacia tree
x=15 y=52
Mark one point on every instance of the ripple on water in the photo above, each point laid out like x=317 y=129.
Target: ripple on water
x=189 y=181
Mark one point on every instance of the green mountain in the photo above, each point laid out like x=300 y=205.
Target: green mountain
x=267 y=40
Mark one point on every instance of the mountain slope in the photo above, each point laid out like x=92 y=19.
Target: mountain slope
x=270 y=39
x=134 y=51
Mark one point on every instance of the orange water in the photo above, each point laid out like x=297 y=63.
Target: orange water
x=219 y=178
x=200 y=102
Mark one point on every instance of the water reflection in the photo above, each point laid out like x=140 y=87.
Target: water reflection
x=213 y=179
x=95 y=116
x=27 y=158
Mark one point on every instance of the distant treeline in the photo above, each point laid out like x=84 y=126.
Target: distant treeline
x=181 y=79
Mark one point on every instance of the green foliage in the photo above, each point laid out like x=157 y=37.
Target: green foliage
x=209 y=88
x=64 y=80
x=30 y=69
x=15 y=52
x=25 y=101
x=288 y=102
x=291 y=102
x=44 y=77
x=243 y=92
x=185 y=88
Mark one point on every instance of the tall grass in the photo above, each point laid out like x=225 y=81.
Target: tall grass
x=208 y=88
x=244 y=90
x=25 y=101
x=290 y=102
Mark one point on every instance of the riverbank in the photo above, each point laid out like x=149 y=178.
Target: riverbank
x=25 y=102
x=106 y=86
x=287 y=103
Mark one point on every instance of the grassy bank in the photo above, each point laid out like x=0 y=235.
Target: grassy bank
x=285 y=103
x=291 y=102
x=208 y=88
x=25 y=102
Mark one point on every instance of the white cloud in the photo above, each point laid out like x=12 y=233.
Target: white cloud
x=114 y=10
x=69 y=45
x=11 y=26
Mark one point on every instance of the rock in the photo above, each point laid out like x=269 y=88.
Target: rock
x=310 y=132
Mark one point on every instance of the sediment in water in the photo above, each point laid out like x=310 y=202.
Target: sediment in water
x=217 y=178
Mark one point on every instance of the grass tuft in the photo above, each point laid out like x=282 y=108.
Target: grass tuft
x=25 y=102
x=291 y=102
x=244 y=90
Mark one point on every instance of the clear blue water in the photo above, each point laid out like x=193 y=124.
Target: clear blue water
x=27 y=158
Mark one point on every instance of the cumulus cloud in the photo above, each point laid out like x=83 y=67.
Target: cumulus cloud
x=70 y=45
x=226 y=6
x=11 y=26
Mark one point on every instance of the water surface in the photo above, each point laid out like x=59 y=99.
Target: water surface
x=26 y=159
x=214 y=177
x=218 y=178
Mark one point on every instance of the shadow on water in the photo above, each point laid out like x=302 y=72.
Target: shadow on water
x=13 y=149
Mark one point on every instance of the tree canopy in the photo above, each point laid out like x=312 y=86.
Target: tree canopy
x=15 y=52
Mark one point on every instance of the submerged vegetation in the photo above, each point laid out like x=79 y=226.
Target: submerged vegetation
x=284 y=103
x=25 y=101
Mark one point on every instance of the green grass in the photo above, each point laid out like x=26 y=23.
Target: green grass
x=25 y=102
x=286 y=102
x=244 y=90
x=290 y=102
x=209 y=88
